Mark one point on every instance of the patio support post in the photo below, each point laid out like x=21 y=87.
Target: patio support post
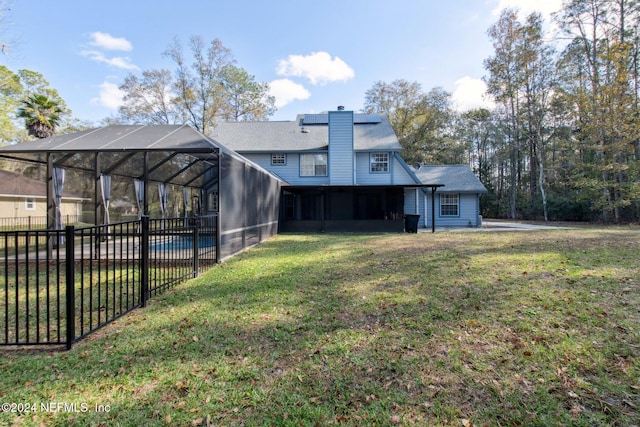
x=97 y=203
x=51 y=209
x=70 y=285
x=322 y=205
x=220 y=201
x=433 y=209
x=146 y=184
x=244 y=203
x=97 y=214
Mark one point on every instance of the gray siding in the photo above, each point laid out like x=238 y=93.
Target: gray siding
x=341 y=160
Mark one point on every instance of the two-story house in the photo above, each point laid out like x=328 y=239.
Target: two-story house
x=345 y=173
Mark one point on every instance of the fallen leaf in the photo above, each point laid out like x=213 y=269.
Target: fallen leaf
x=197 y=421
x=167 y=419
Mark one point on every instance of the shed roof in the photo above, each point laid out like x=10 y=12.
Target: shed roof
x=456 y=178
x=309 y=132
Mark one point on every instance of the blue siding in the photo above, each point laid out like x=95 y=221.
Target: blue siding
x=410 y=202
x=468 y=212
x=289 y=172
x=400 y=175
x=341 y=160
x=397 y=175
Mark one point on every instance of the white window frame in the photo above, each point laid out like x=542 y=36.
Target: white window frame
x=379 y=162
x=278 y=159
x=449 y=203
x=29 y=204
x=314 y=164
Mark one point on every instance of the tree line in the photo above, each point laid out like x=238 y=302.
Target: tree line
x=562 y=141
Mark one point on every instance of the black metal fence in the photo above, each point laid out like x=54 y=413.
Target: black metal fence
x=61 y=285
x=33 y=222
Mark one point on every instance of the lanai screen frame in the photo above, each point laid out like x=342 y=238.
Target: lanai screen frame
x=117 y=150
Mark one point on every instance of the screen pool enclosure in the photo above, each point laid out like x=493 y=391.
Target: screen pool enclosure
x=178 y=187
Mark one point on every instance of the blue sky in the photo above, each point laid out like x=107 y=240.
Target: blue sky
x=315 y=55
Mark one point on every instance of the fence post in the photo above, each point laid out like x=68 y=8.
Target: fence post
x=71 y=284
x=196 y=246
x=144 y=262
x=218 y=238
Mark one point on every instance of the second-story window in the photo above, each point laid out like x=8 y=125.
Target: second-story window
x=313 y=164
x=278 y=159
x=379 y=162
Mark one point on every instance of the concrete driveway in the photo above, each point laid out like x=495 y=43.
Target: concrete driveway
x=498 y=226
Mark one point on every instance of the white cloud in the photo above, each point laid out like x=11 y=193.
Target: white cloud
x=285 y=91
x=108 y=42
x=470 y=93
x=123 y=62
x=318 y=67
x=546 y=7
x=110 y=96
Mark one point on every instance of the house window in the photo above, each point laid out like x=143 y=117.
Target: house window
x=313 y=164
x=30 y=204
x=379 y=162
x=278 y=159
x=449 y=205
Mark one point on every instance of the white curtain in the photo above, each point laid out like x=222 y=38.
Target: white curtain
x=163 y=193
x=58 y=189
x=139 y=187
x=105 y=187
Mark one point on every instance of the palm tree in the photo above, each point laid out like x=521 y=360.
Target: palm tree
x=41 y=115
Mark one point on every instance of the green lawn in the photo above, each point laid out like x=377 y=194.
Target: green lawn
x=506 y=328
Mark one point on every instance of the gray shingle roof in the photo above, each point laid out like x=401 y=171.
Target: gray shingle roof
x=456 y=178
x=291 y=136
x=12 y=184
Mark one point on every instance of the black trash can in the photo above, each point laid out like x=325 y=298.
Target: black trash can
x=411 y=223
